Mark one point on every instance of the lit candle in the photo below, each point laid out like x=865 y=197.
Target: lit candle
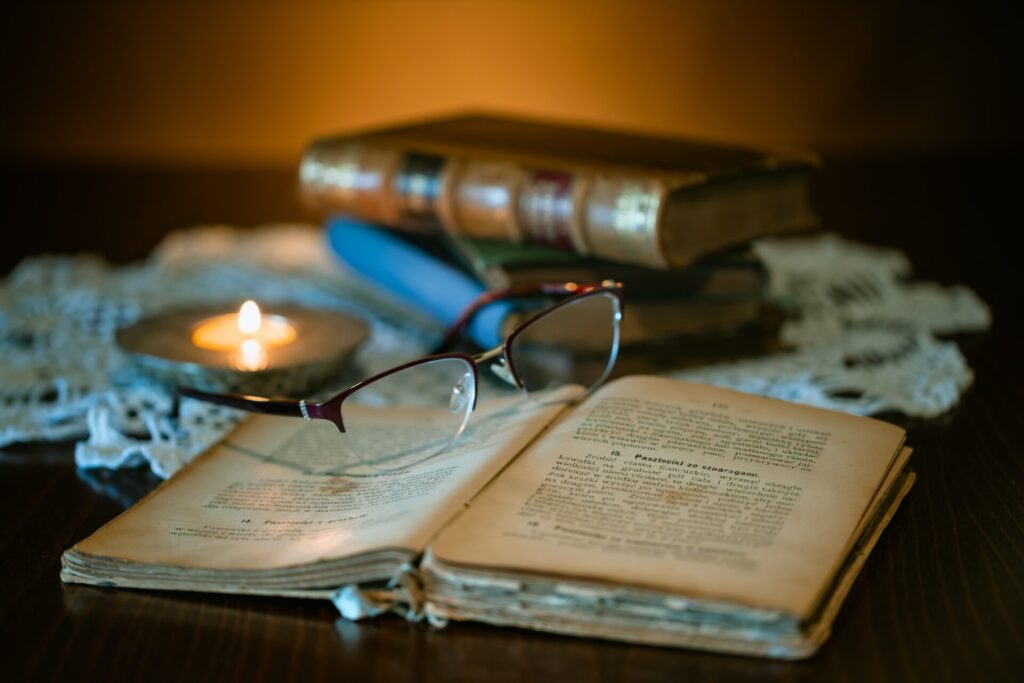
x=247 y=329
x=289 y=352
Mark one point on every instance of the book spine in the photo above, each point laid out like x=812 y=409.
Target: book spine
x=549 y=210
x=610 y=217
x=354 y=178
x=417 y=190
x=621 y=219
x=479 y=199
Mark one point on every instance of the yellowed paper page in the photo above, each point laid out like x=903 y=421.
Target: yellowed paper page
x=687 y=488
x=251 y=503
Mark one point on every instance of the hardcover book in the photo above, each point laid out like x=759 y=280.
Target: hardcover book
x=719 y=297
x=654 y=511
x=657 y=202
x=728 y=275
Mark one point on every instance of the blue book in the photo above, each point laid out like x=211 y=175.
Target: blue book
x=415 y=277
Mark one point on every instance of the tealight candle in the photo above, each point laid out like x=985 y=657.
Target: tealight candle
x=287 y=351
x=232 y=331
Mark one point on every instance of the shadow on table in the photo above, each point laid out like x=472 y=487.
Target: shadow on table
x=282 y=639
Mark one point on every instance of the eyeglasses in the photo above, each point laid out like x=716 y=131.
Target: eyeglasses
x=415 y=411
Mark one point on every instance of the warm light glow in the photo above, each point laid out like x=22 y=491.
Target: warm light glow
x=232 y=331
x=249 y=318
x=251 y=355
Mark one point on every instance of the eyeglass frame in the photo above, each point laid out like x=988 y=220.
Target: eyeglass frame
x=331 y=408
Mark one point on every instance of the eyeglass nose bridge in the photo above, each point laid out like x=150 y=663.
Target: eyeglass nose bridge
x=503 y=368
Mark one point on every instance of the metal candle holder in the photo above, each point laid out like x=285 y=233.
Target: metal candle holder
x=161 y=347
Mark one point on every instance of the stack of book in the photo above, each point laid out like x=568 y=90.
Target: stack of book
x=439 y=211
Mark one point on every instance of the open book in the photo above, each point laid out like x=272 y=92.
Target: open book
x=655 y=511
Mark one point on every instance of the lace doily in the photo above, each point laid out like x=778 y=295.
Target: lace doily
x=863 y=336
x=864 y=341
x=63 y=376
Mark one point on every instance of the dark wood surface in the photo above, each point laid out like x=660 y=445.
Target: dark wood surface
x=941 y=598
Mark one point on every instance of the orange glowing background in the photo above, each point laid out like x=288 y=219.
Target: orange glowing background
x=250 y=82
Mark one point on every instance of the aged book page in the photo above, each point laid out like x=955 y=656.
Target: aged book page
x=622 y=612
x=688 y=489
x=252 y=503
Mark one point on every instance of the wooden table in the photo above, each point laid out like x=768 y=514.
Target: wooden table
x=941 y=598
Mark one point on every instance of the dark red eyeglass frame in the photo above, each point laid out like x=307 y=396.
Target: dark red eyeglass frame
x=331 y=408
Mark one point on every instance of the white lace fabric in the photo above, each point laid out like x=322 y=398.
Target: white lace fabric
x=63 y=376
x=863 y=337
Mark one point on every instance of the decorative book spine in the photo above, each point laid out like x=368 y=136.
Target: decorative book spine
x=417 y=189
x=479 y=199
x=621 y=220
x=609 y=217
x=353 y=178
x=549 y=210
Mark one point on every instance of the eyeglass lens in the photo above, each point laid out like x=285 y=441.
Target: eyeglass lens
x=410 y=415
x=414 y=413
x=573 y=344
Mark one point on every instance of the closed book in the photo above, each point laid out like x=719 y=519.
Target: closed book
x=716 y=297
x=641 y=199
x=729 y=275
x=414 y=277
x=422 y=276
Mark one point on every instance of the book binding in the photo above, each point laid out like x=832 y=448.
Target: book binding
x=657 y=216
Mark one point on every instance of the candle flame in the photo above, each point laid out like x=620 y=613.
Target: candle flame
x=249 y=318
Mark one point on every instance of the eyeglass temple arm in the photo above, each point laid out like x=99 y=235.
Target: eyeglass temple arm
x=253 y=404
x=489 y=297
